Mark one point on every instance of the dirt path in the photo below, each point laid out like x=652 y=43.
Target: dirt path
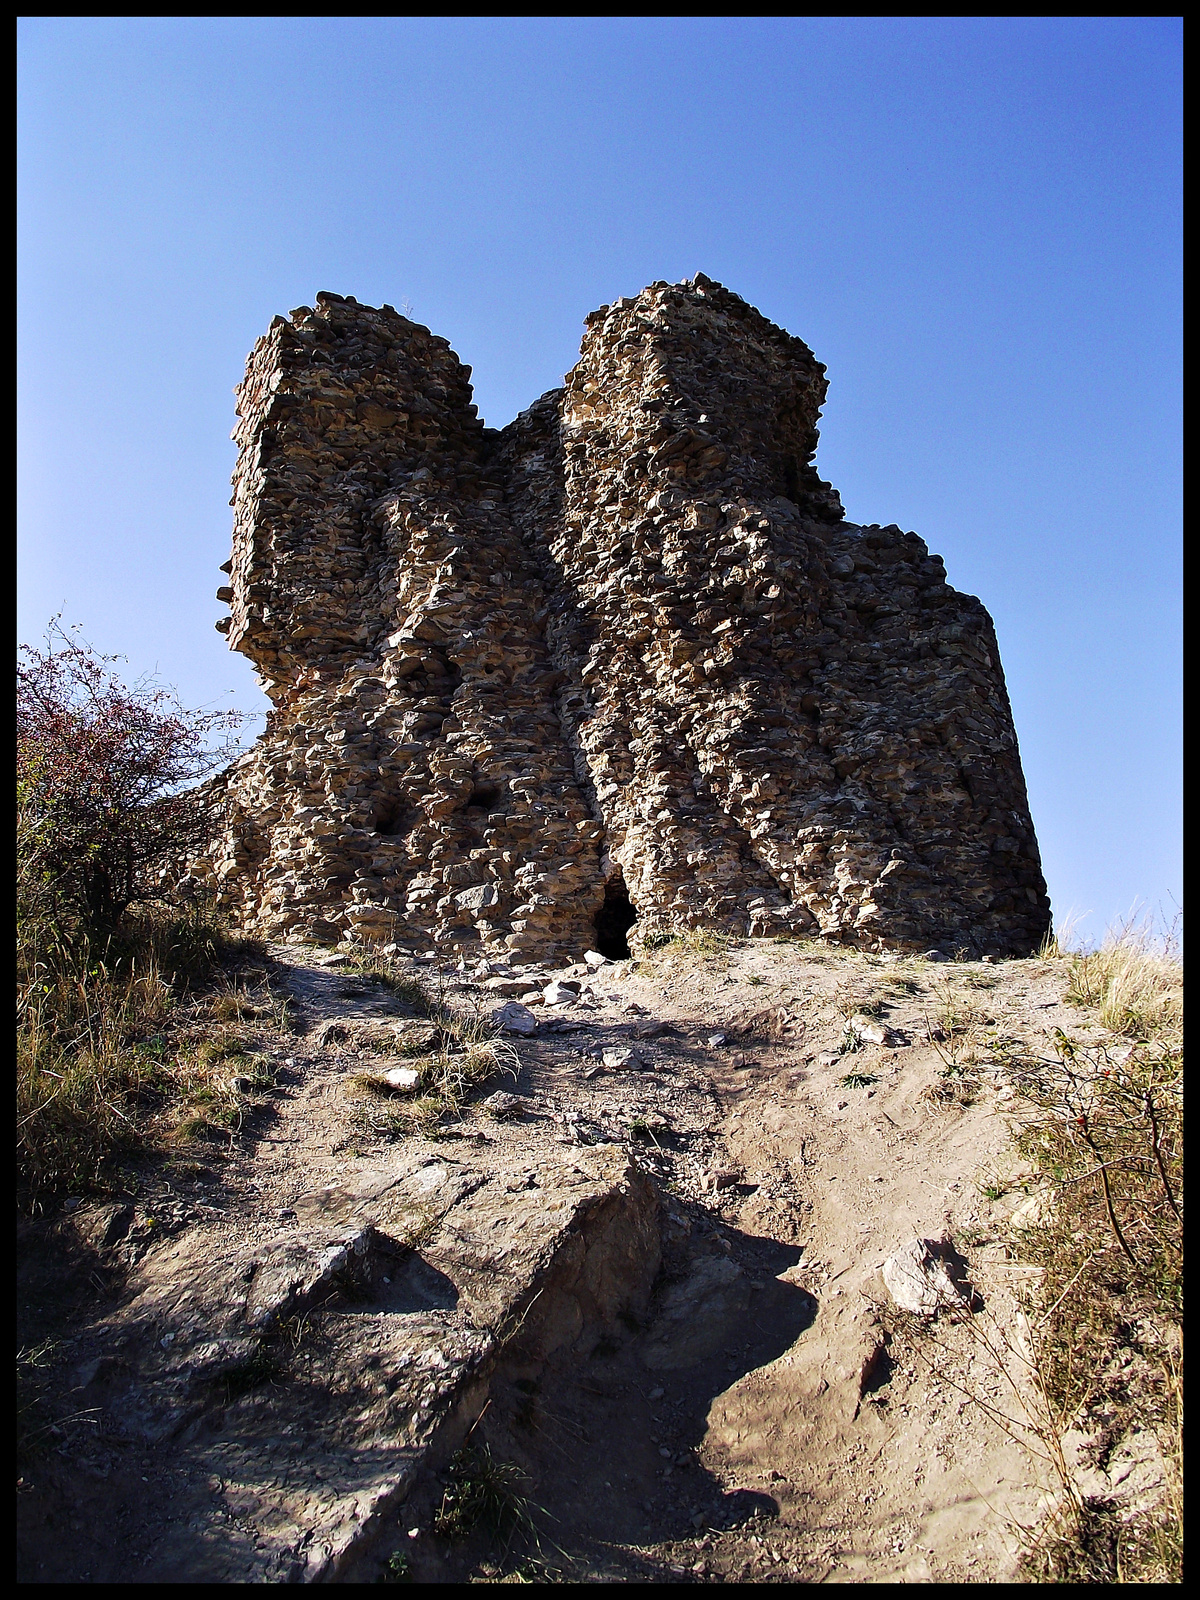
x=711 y=1382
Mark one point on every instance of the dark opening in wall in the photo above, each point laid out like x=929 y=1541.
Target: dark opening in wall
x=394 y=818
x=614 y=920
x=485 y=797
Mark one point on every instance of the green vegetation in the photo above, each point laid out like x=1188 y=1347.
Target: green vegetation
x=396 y=1568
x=481 y=1491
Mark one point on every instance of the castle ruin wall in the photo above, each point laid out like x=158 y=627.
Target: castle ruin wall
x=624 y=658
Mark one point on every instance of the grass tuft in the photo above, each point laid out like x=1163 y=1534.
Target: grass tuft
x=470 y=1052
x=1134 y=982
x=482 y=1491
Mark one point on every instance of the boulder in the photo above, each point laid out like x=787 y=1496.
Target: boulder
x=515 y=1018
x=918 y=1279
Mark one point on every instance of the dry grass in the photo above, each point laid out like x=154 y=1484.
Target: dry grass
x=470 y=1052
x=1098 y=1348
x=683 y=951
x=98 y=1043
x=1135 y=983
x=1104 y=1133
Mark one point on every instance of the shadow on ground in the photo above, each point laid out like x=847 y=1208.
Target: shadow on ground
x=609 y=1442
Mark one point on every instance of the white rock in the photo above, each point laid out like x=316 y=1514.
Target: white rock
x=621 y=1060
x=561 y=992
x=1034 y=1210
x=403 y=1078
x=595 y=959
x=514 y=1018
x=870 y=1031
x=917 y=1279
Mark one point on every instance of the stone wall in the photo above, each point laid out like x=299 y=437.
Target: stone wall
x=626 y=656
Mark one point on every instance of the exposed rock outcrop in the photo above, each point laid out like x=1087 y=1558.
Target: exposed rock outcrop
x=625 y=658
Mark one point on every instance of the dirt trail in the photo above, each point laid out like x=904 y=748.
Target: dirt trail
x=683 y=1338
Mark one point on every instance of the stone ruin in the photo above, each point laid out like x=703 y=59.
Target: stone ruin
x=619 y=670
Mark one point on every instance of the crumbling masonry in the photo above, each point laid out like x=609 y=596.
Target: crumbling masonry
x=624 y=659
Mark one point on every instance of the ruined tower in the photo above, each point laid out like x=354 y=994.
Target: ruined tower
x=620 y=670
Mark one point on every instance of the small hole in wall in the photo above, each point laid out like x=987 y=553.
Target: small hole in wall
x=614 y=920
x=394 y=820
x=484 y=797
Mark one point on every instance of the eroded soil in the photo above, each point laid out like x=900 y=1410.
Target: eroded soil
x=761 y=1412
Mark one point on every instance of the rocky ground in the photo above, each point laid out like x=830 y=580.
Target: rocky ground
x=639 y=1275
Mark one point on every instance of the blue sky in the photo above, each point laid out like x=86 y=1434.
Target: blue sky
x=975 y=223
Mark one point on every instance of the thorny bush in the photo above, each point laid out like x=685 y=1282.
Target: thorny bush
x=108 y=808
x=107 y=788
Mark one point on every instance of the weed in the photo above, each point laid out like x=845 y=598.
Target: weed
x=386 y=1121
x=262 y=1365
x=405 y=987
x=900 y=988
x=470 y=1050
x=858 y=1080
x=972 y=1238
x=422 y=1228
x=973 y=978
x=957 y=1084
x=481 y=1491
x=850 y=1001
x=703 y=944
x=850 y=1042
x=754 y=978
x=223 y=1046
x=33 y=1365
x=396 y=1568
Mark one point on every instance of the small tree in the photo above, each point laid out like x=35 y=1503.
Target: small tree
x=107 y=794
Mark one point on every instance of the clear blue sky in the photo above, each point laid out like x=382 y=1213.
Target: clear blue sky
x=975 y=223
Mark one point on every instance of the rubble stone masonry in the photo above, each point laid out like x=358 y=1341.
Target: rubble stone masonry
x=624 y=659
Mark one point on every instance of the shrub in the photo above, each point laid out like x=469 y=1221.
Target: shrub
x=107 y=789
x=107 y=802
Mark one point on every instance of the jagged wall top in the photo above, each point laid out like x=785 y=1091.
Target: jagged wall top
x=721 y=388
x=338 y=403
